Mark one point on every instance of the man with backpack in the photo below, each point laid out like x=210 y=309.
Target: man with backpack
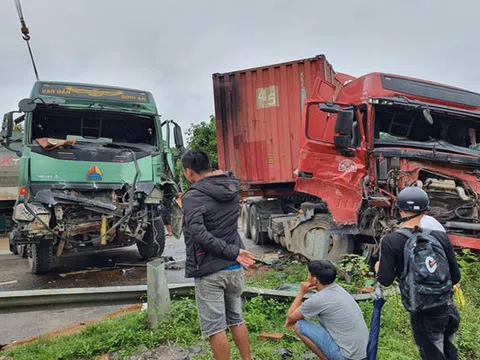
x=424 y=262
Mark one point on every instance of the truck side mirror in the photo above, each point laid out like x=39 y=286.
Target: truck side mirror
x=343 y=128
x=178 y=138
x=7 y=125
x=27 y=105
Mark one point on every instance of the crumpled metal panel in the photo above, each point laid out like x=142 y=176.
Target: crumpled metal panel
x=338 y=182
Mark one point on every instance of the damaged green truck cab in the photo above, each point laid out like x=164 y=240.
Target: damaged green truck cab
x=95 y=171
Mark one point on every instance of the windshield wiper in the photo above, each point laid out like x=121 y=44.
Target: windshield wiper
x=135 y=147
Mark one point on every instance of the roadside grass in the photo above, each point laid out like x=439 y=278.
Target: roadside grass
x=125 y=334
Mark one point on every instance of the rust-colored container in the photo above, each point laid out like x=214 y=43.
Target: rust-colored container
x=259 y=118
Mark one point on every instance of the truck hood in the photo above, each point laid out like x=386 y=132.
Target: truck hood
x=68 y=166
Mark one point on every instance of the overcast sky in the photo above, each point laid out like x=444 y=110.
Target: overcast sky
x=172 y=47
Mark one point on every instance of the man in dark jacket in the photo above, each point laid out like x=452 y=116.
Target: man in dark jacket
x=215 y=253
x=433 y=329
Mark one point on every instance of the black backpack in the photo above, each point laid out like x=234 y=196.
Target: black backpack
x=425 y=282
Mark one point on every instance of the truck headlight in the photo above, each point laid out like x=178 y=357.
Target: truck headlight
x=22 y=214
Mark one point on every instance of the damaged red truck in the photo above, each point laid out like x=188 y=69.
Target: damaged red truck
x=322 y=155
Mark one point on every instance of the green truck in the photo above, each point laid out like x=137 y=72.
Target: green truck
x=96 y=171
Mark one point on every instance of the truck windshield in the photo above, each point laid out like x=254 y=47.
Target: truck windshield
x=94 y=127
x=397 y=125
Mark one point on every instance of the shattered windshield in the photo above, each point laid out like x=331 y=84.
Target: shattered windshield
x=399 y=125
x=93 y=127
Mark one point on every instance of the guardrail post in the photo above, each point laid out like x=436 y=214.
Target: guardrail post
x=158 y=295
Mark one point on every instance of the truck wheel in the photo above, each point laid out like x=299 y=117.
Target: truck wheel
x=40 y=257
x=259 y=237
x=246 y=221
x=154 y=240
x=304 y=235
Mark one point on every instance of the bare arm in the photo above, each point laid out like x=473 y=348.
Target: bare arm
x=294 y=313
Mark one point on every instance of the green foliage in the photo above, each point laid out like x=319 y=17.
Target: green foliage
x=203 y=136
x=470 y=282
x=354 y=273
x=200 y=136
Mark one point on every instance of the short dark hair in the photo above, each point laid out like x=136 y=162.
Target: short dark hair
x=323 y=270
x=197 y=160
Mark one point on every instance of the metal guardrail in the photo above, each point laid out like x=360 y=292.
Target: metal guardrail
x=35 y=300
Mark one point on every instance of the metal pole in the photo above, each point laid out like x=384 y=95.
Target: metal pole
x=158 y=295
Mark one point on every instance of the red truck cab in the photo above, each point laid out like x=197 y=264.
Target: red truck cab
x=380 y=134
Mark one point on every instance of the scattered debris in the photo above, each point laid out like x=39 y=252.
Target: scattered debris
x=308 y=356
x=284 y=353
x=80 y=272
x=103 y=357
x=195 y=350
x=175 y=265
x=280 y=266
x=124 y=271
x=270 y=336
x=367 y=290
x=130 y=265
x=9 y=282
x=268 y=258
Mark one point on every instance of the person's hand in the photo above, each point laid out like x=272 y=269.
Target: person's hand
x=245 y=258
x=306 y=287
x=289 y=325
x=377 y=266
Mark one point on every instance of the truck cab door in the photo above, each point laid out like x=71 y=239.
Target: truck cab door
x=333 y=157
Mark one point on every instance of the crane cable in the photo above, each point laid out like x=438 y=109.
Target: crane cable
x=26 y=35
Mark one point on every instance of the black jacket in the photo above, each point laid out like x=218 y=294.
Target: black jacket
x=211 y=209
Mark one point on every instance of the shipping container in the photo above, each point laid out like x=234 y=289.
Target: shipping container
x=259 y=118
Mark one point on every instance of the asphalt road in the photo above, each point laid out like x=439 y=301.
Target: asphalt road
x=18 y=326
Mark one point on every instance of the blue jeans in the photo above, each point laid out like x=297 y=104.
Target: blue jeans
x=321 y=338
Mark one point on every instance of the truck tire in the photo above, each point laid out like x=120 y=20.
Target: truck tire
x=246 y=221
x=259 y=237
x=153 y=243
x=40 y=257
x=339 y=244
